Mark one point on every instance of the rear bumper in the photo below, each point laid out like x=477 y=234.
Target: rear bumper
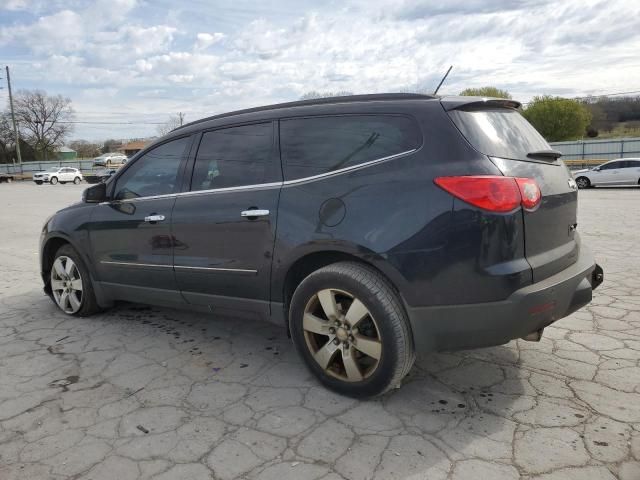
x=455 y=327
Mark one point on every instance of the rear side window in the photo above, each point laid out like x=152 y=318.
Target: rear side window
x=499 y=132
x=234 y=157
x=315 y=145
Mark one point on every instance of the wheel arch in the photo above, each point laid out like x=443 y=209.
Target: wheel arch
x=287 y=280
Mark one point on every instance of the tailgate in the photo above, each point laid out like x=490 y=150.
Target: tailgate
x=497 y=130
x=550 y=240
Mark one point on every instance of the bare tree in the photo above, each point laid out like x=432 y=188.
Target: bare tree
x=44 y=120
x=313 y=94
x=174 y=122
x=7 y=140
x=85 y=149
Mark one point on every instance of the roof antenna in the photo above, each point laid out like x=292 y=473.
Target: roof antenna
x=443 y=79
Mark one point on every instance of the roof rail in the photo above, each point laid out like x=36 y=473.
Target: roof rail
x=376 y=97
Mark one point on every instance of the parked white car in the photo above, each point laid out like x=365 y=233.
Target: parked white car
x=621 y=171
x=109 y=160
x=58 y=174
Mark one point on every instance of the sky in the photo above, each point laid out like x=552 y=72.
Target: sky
x=139 y=61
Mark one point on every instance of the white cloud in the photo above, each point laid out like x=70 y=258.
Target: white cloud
x=261 y=56
x=205 y=40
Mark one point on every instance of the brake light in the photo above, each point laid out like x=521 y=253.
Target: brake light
x=530 y=192
x=493 y=193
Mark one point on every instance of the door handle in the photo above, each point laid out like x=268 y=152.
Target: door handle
x=154 y=218
x=254 y=213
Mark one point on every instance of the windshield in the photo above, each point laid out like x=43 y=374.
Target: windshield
x=499 y=132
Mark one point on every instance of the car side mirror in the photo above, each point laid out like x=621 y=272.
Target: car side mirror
x=95 y=194
x=596 y=169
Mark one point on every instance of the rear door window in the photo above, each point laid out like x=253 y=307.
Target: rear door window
x=235 y=157
x=499 y=132
x=316 y=145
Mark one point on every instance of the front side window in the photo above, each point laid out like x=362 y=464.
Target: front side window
x=234 y=157
x=611 y=166
x=155 y=173
x=315 y=145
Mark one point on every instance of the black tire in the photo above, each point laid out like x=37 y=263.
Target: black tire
x=88 y=304
x=583 y=182
x=378 y=296
x=38 y=182
x=76 y=181
x=53 y=180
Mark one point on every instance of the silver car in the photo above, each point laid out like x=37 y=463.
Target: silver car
x=621 y=171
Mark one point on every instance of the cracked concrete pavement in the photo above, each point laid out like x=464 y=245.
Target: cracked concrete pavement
x=141 y=393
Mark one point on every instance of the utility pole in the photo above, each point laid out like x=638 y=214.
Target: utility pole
x=181 y=117
x=13 y=118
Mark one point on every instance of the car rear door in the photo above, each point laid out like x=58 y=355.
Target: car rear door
x=224 y=227
x=131 y=238
x=632 y=173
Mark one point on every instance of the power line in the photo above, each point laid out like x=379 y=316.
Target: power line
x=599 y=96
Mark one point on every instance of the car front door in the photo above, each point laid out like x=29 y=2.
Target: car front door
x=608 y=174
x=131 y=240
x=224 y=226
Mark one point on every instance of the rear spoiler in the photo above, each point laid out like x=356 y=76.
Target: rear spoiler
x=463 y=103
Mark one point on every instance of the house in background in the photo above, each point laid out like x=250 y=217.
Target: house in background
x=131 y=148
x=66 y=153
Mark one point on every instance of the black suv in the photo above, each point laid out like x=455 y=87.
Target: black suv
x=370 y=226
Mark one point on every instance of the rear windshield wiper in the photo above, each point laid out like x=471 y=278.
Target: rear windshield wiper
x=545 y=154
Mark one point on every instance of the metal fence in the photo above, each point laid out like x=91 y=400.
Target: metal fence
x=576 y=154
x=583 y=153
x=27 y=168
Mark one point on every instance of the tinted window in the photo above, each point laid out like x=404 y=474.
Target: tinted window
x=611 y=166
x=155 y=173
x=311 y=146
x=234 y=157
x=633 y=163
x=499 y=132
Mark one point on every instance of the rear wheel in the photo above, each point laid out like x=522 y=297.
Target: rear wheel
x=53 y=180
x=71 y=287
x=351 y=329
x=76 y=180
x=583 y=182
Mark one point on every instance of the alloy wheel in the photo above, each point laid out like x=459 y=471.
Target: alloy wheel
x=66 y=284
x=342 y=335
x=582 y=182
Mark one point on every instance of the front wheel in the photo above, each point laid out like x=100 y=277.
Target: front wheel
x=71 y=287
x=53 y=180
x=76 y=180
x=38 y=182
x=583 y=182
x=351 y=329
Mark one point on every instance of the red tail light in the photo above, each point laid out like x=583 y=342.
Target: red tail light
x=493 y=193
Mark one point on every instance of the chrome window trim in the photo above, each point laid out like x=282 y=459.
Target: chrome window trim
x=352 y=168
x=264 y=186
x=137 y=264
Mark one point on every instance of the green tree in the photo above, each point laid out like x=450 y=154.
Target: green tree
x=485 y=92
x=557 y=118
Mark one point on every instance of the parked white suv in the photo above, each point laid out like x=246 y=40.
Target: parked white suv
x=109 y=159
x=58 y=174
x=621 y=171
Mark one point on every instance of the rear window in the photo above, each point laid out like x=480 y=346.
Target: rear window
x=315 y=145
x=499 y=132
